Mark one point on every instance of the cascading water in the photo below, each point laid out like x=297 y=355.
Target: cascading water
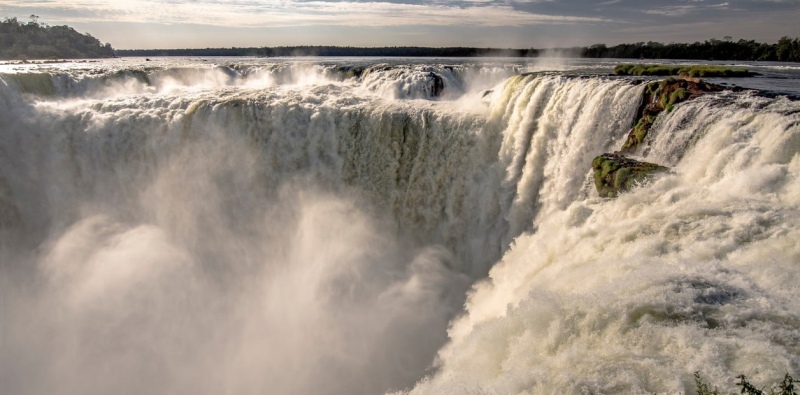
x=314 y=228
x=695 y=272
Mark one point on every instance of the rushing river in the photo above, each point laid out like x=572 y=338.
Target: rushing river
x=363 y=226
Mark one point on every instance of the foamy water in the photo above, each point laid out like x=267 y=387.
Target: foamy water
x=369 y=226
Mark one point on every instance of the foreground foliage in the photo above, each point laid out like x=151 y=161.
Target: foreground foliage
x=32 y=40
x=785 y=387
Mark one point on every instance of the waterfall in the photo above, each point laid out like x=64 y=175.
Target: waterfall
x=297 y=228
x=695 y=272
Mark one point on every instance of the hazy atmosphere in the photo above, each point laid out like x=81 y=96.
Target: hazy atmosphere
x=403 y=197
x=537 y=23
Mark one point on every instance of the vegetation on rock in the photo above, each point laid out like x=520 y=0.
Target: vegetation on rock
x=33 y=40
x=690 y=71
x=614 y=173
x=662 y=96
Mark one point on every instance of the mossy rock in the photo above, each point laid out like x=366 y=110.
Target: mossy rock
x=346 y=72
x=691 y=71
x=614 y=173
x=661 y=96
x=638 y=133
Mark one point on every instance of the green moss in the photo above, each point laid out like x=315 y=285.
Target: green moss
x=597 y=162
x=653 y=87
x=663 y=100
x=714 y=71
x=677 y=96
x=642 y=128
x=614 y=173
x=621 y=177
x=679 y=70
x=623 y=69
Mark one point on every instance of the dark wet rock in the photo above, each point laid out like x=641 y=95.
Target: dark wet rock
x=615 y=173
x=660 y=96
x=347 y=72
x=229 y=71
x=139 y=75
x=437 y=86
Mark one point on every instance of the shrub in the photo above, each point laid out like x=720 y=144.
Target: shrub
x=785 y=387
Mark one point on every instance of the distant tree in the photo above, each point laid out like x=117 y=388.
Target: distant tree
x=784 y=48
x=39 y=41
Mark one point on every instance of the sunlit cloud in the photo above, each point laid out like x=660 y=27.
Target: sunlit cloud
x=285 y=13
x=172 y=23
x=685 y=9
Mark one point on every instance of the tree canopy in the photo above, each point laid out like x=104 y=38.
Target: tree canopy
x=785 y=50
x=334 y=51
x=33 y=40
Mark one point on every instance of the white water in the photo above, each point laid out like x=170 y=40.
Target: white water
x=289 y=228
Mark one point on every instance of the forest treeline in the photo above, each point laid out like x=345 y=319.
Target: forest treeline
x=785 y=50
x=465 y=52
x=32 y=40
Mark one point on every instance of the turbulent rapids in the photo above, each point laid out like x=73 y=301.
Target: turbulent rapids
x=364 y=227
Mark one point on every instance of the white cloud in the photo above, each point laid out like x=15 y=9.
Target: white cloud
x=285 y=13
x=684 y=9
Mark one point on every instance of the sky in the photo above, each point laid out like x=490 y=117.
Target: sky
x=148 y=24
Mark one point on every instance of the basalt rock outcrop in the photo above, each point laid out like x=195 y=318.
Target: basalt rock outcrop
x=615 y=173
x=660 y=96
x=437 y=84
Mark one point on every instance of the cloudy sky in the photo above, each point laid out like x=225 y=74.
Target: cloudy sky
x=129 y=24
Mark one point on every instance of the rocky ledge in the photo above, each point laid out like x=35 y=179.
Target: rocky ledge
x=615 y=173
x=660 y=96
